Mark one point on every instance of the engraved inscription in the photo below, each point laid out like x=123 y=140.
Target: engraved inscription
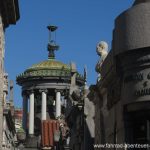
x=134 y=77
x=142 y=92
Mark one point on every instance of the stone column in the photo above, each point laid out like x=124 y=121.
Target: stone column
x=25 y=111
x=31 y=113
x=58 y=104
x=44 y=104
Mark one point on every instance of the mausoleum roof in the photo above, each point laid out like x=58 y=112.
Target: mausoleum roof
x=48 y=68
x=50 y=64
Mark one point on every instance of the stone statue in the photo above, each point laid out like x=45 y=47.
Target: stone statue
x=102 y=51
x=5 y=86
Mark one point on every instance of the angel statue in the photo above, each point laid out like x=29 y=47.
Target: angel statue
x=102 y=51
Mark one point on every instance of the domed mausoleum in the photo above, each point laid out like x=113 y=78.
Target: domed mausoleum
x=45 y=86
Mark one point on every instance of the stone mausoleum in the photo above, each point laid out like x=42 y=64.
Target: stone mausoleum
x=122 y=95
x=46 y=88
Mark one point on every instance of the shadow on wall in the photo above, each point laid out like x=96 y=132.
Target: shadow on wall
x=89 y=141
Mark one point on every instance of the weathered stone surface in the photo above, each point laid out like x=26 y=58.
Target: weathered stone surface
x=10 y=12
x=125 y=77
x=132 y=29
x=1 y=78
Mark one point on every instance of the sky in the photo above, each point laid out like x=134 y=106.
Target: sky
x=81 y=25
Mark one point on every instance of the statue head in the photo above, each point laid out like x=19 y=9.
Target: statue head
x=101 y=48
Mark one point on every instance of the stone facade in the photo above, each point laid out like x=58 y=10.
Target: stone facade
x=9 y=133
x=9 y=14
x=123 y=97
x=18 y=114
x=89 y=123
x=1 y=76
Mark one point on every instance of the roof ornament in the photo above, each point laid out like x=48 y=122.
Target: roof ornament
x=52 y=46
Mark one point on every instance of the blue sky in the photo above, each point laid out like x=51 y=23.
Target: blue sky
x=82 y=24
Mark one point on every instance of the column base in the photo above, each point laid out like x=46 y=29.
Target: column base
x=32 y=142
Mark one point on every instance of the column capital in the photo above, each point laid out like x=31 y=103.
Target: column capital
x=43 y=90
x=62 y=91
x=58 y=90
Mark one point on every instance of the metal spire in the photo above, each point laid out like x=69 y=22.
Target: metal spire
x=52 y=46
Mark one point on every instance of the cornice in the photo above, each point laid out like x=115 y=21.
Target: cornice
x=9 y=11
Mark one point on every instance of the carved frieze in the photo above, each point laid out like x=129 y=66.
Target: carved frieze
x=142 y=79
x=134 y=77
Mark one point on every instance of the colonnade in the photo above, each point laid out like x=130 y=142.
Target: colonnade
x=31 y=97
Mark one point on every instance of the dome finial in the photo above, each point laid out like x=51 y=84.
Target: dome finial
x=52 y=46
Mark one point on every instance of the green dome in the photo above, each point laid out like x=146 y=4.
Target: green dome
x=50 y=64
x=48 y=68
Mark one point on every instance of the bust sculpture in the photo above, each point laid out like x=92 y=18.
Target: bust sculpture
x=102 y=51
